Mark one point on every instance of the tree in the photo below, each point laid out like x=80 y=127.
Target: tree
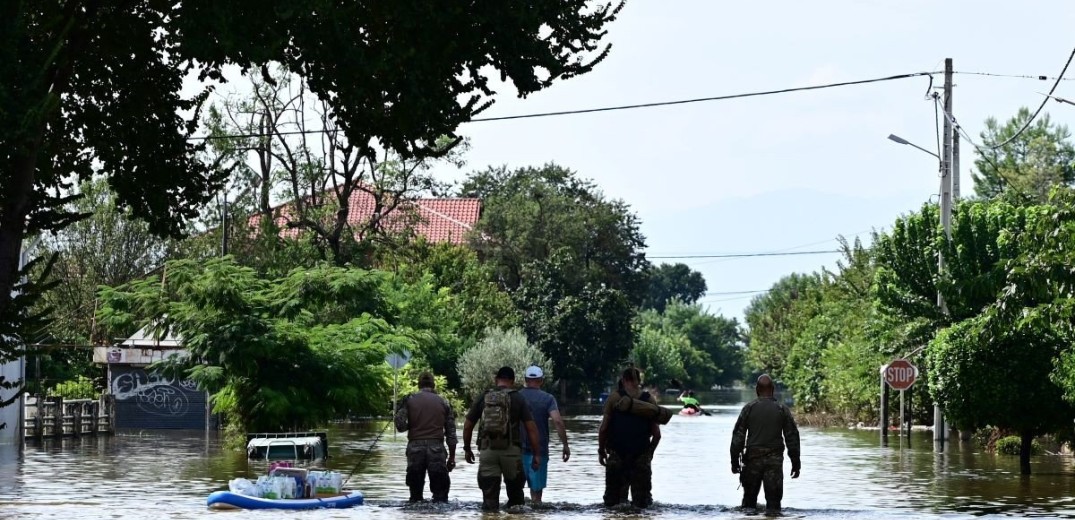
x=776 y=319
x=499 y=348
x=585 y=329
x=94 y=89
x=672 y=281
x=660 y=355
x=715 y=344
x=1041 y=157
x=107 y=248
x=530 y=214
x=341 y=196
x=471 y=301
x=965 y=359
x=276 y=354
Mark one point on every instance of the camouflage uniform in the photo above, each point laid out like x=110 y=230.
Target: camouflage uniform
x=429 y=422
x=623 y=474
x=763 y=468
x=630 y=452
x=504 y=463
x=761 y=432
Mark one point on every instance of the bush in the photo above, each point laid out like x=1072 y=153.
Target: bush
x=1010 y=446
x=79 y=388
x=499 y=348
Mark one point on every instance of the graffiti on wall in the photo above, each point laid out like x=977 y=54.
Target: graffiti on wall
x=155 y=393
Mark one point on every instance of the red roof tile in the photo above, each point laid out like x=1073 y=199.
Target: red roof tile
x=436 y=219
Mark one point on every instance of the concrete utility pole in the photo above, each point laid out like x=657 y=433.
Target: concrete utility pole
x=939 y=427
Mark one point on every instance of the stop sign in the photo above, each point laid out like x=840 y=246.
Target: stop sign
x=900 y=374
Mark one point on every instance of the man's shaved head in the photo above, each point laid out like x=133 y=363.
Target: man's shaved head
x=764 y=388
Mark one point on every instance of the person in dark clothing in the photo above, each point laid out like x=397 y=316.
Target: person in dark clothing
x=761 y=432
x=429 y=422
x=501 y=411
x=626 y=442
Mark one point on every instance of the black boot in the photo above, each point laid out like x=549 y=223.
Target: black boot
x=490 y=487
x=516 y=496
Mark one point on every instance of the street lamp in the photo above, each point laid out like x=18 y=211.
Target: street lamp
x=949 y=173
x=898 y=139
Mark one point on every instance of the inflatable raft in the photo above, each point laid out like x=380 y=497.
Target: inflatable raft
x=229 y=500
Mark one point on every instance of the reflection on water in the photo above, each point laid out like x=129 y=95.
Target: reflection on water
x=846 y=474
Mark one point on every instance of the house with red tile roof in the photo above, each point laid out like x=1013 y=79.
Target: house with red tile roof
x=439 y=220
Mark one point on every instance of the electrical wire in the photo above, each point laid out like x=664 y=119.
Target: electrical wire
x=749 y=255
x=705 y=99
x=619 y=107
x=1041 y=106
x=729 y=293
x=1019 y=76
x=981 y=153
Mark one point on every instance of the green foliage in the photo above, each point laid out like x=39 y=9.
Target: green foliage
x=660 y=355
x=714 y=354
x=1029 y=166
x=499 y=348
x=586 y=331
x=531 y=214
x=81 y=387
x=776 y=319
x=467 y=299
x=97 y=90
x=572 y=260
x=108 y=247
x=669 y=282
x=1012 y=444
x=283 y=353
x=965 y=359
x=408 y=384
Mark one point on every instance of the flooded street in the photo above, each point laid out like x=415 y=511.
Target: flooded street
x=845 y=475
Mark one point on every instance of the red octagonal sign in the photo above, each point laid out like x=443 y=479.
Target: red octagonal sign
x=900 y=374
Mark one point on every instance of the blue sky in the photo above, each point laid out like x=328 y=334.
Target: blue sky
x=781 y=172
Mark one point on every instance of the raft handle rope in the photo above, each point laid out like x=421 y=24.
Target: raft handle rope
x=368 y=451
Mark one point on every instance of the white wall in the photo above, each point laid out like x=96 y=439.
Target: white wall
x=12 y=414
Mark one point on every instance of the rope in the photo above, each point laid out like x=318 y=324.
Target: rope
x=367 y=454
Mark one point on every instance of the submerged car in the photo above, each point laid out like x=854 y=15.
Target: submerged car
x=287 y=446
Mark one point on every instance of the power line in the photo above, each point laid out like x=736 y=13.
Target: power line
x=749 y=255
x=1019 y=76
x=981 y=153
x=1041 y=106
x=729 y=293
x=618 y=107
x=704 y=99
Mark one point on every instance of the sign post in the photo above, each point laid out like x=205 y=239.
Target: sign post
x=396 y=361
x=900 y=375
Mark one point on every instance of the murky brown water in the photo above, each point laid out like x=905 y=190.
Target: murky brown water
x=845 y=475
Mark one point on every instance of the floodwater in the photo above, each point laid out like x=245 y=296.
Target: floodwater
x=846 y=474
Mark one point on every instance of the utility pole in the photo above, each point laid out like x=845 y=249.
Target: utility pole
x=939 y=428
x=224 y=226
x=955 y=165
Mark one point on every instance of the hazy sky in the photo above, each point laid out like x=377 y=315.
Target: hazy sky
x=783 y=172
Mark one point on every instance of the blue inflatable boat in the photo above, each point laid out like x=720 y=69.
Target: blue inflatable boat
x=229 y=500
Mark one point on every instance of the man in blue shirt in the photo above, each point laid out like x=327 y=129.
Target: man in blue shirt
x=543 y=407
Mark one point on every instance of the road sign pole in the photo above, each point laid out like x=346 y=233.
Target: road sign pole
x=395 y=398
x=883 y=423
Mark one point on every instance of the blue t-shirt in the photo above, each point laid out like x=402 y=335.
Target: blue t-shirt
x=542 y=404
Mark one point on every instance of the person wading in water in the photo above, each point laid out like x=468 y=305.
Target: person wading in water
x=628 y=436
x=763 y=428
x=429 y=422
x=499 y=414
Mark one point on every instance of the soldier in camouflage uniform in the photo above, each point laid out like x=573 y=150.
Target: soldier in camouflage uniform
x=429 y=422
x=759 y=437
x=625 y=445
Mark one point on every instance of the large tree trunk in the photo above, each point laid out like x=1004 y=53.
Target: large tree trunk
x=1024 y=453
x=13 y=211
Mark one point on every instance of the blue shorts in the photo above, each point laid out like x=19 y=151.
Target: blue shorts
x=536 y=480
